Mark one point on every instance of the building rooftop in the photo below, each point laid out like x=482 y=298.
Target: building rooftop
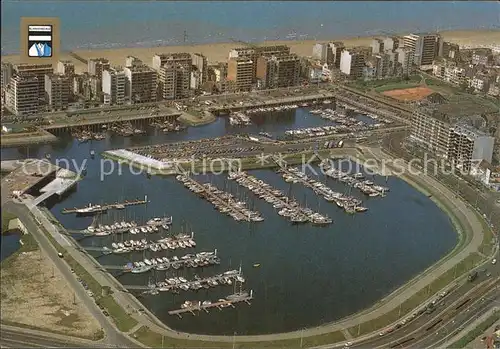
x=455 y=112
x=140 y=68
x=469 y=131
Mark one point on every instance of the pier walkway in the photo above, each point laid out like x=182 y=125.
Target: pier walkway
x=93 y=209
x=219 y=305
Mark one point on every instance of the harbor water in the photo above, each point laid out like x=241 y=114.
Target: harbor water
x=308 y=275
x=9 y=243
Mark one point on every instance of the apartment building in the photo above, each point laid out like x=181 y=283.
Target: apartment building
x=7 y=73
x=141 y=83
x=337 y=47
x=432 y=130
x=406 y=60
x=182 y=58
x=175 y=81
x=240 y=71
x=425 y=47
x=390 y=43
x=219 y=72
x=449 y=50
x=131 y=61
x=174 y=74
x=278 y=71
x=57 y=91
x=201 y=65
x=377 y=45
x=114 y=83
x=450 y=71
x=449 y=137
x=323 y=52
x=383 y=64
x=38 y=70
x=483 y=56
x=65 y=68
x=352 y=61
x=467 y=145
x=22 y=97
x=481 y=82
x=253 y=53
x=96 y=66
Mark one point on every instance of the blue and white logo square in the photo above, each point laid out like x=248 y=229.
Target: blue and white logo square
x=40 y=41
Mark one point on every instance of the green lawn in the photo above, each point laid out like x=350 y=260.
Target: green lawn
x=6 y=218
x=386 y=84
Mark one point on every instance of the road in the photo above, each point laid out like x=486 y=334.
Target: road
x=113 y=335
x=13 y=337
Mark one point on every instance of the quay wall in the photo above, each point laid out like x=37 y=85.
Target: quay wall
x=26 y=138
x=273 y=102
x=95 y=123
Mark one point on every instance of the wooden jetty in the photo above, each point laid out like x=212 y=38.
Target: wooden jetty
x=238 y=298
x=95 y=209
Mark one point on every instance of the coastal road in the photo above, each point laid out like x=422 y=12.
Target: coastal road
x=113 y=335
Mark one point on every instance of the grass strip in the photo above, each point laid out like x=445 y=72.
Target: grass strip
x=155 y=340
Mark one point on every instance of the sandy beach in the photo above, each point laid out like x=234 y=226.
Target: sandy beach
x=219 y=51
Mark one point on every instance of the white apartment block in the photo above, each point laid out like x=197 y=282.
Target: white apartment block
x=114 y=83
x=22 y=97
x=424 y=46
x=459 y=143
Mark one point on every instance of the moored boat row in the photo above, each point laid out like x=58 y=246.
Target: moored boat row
x=350 y=204
x=229 y=277
x=201 y=259
x=151 y=226
x=224 y=202
x=286 y=206
x=356 y=180
x=168 y=243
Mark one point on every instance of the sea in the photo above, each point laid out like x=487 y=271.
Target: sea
x=109 y=24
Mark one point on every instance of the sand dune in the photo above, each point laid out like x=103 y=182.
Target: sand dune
x=219 y=52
